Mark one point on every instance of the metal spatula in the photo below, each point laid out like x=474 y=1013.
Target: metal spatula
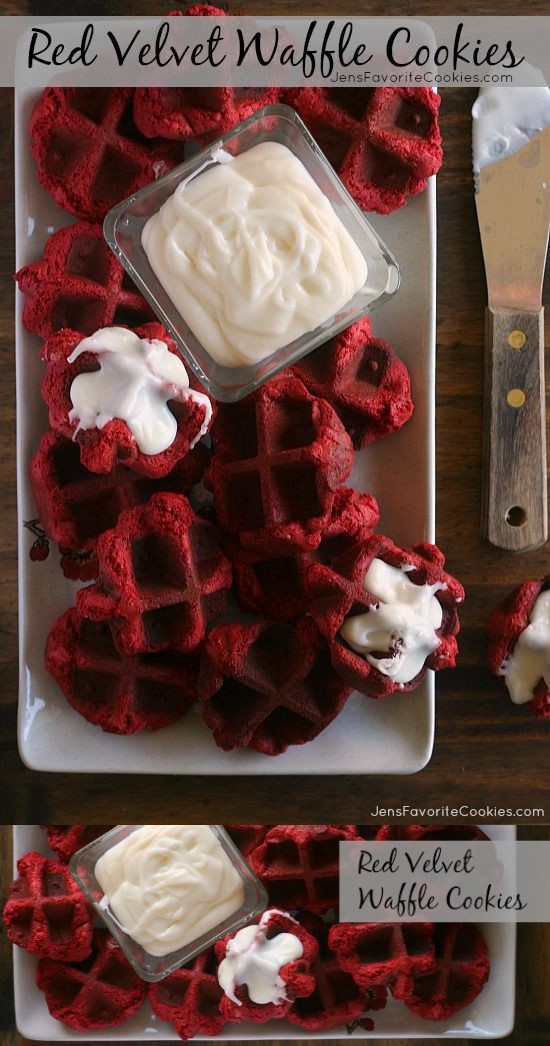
x=513 y=209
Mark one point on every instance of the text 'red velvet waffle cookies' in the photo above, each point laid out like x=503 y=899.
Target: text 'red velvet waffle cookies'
x=294 y=978
x=269 y=685
x=340 y=594
x=190 y=998
x=383 y=142
x=46 y=912
x=101 y=992
x=89 y=153
x=279 y=457
x=363 y=380
x=79 y=284
x=276 y=585
x=113 y=444
x=162 y=577
x=517 y=649
x=121 y=693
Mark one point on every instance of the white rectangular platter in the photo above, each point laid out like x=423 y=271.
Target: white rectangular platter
x=490 y=1016
x=369 y=737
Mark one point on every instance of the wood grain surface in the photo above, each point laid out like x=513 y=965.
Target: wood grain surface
x=532 y=995
x=514 y=484
x=488 y=754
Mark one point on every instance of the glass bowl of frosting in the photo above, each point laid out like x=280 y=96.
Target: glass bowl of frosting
x=167 y=892
x=252 y=253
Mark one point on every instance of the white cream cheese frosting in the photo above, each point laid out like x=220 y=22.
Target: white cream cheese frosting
x=137 y=377
x=253 y=254
x=402 y=624
x=167 y=884
x=256 y=961
x=529 y=661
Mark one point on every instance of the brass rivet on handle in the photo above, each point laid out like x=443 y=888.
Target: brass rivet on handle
x=516 y=339
x=516 y=398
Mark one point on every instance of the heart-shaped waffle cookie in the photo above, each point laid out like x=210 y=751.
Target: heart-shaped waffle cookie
x=190 y=998
x=299 y=864
x=269 y=685
x=383 y=142
x=76 y=506
x=101 y=992
x=120 y=693
x=431 y=832
x=461 y=969
x=276 y=585
x=162 y=577
x=338 y=593
x=336 y=998
x=101 y=449
x=375 y=953
x=88 y=150
x=80 y=284
x=505 y=625
x=363 y=379
x=293 y=979
x=279 y=457
x=201 y=113
x=46 y=912
x=247 y=836
x=66 y=839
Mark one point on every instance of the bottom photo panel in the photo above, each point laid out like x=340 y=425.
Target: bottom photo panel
x=264 y=933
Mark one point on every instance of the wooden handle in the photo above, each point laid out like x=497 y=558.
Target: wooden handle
x=514 y=499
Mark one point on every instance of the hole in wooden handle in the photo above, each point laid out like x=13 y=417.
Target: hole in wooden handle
x=516 y=516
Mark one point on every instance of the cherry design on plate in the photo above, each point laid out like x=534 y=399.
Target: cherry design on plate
x=40 y=549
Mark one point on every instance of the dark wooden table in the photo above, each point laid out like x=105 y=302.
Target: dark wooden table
x=487 y=753
x=533 y=963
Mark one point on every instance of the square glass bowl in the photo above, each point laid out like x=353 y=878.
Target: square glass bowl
x=153 y=967
x=124 y=224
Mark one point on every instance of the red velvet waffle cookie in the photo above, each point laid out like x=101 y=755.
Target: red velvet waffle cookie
x=299 y=864
x=433 y=832
x=80 y=284
x=67 y=839
x=114 y=444
x=88 y=150
x=293 y=980
x=269 y=685
x=462 y=968
x=76 y=506
x=201 y=113
x=101 y=992
x=162 y=577
x=47 y=913
x=190 y=998
x=275 y=585
x=336 y=998
x=363 y=379
x=376 y=953
x=247 y=836
x=505 y=626
x=339 y=591
x=120 y=693
x=383 y=142
x=279 y=457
